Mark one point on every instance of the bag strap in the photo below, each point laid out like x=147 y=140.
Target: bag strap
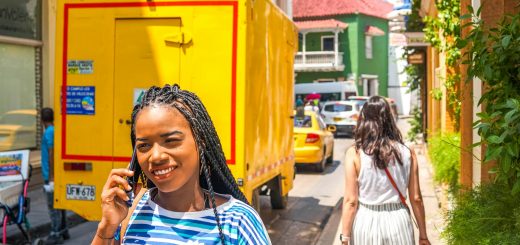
x=403 y=200
x=125 y=222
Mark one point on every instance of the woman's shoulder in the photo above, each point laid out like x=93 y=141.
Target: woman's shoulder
x=240 y=208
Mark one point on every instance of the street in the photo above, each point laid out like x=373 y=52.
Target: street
x=311 y=202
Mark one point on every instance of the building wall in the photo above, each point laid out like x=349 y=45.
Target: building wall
x=378 y=65
x=352 y=44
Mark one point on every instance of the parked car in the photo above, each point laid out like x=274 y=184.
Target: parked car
x=341 y=114
x=313 y=140
x=362 y=99
x=18 y=130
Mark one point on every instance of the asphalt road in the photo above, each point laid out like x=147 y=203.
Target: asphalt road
x=311 y=202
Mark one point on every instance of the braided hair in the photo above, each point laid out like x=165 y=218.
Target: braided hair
x=215 y=175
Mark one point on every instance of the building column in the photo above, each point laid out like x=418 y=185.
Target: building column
x=336 y=44
x=304 y=58
x=466 y=110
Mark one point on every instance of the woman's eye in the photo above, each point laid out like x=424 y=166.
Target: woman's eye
x=142 y=146
x=172 y=140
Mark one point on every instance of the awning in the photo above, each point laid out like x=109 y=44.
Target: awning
x=321 y=25
x=373 y=31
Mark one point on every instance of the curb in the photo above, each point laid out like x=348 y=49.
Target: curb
x=328 y=234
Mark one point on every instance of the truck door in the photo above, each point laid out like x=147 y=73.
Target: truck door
x=146 y=53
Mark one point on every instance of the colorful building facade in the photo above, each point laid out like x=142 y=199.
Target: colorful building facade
x=343 y=41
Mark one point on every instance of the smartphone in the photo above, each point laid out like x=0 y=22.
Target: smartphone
x=132 y=180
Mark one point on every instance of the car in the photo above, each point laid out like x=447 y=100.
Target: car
x=313 y=140
x=363 y=99
x=18 y=130
x=343 y=115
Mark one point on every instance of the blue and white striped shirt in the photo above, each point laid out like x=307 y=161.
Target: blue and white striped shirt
x=152 y=224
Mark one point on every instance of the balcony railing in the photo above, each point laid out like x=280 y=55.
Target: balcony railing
x=319 y=61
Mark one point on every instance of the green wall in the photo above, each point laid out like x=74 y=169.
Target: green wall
x=378 y=65
x=352 y=44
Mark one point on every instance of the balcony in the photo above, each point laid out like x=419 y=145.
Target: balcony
x=319 y=61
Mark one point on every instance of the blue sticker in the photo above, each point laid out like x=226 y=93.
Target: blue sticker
x=81 y=100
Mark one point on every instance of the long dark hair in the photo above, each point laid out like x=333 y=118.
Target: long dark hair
x=377 y=133
x=215 y=175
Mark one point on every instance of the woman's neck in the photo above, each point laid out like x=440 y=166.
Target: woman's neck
x=182 y=200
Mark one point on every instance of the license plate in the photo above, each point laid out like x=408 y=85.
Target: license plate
x=81 y=192
x=337 y=119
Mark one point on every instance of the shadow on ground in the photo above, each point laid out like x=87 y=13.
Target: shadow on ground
x=300 y=223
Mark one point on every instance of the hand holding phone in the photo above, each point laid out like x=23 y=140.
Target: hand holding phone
x=132 y=180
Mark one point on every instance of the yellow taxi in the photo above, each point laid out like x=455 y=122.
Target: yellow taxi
x=313 y=140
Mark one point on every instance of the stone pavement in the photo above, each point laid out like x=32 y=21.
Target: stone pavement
x=434 y=216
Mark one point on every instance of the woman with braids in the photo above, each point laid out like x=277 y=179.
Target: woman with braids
x=379 y=170
x=191 y=196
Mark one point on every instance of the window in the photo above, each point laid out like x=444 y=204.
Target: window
x=18 y=107
x=303 y=122
x=368 y=47
x=327 y=43
x=338 y=108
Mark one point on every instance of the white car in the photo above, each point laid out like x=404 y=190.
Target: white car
x=342 y=114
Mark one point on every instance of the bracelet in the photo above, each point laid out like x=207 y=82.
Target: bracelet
x=104 y=238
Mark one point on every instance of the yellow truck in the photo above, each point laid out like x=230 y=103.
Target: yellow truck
x=236 y=55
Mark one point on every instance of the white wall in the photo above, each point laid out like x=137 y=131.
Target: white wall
x=404 y=100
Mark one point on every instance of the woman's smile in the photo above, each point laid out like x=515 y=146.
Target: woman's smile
x=163 y=173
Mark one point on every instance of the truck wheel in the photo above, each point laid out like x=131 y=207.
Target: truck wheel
x=320 y=167
x=278 y=201
x=331 y=158
x=255 y=201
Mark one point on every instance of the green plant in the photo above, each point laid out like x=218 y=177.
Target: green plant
x=494 y=57
x=443 y=33
x=416 y=123
x=444 y=152
x=487 y=214
x=436 y=93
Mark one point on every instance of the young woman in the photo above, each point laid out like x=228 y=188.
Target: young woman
x=373 y=209
x=192 y=198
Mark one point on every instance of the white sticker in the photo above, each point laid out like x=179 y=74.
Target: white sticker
x=80 y=67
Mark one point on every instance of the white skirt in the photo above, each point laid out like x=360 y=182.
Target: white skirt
x=384 y=224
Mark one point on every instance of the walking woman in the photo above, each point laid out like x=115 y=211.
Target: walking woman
x=191 y=196
x=379 y=171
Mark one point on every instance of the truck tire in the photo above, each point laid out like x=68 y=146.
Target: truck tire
x=255 y=200
x=278 y=200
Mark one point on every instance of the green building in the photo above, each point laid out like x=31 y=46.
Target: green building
x=343 y=40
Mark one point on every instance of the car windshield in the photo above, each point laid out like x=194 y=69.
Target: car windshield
x=338 y=108
x=18 y=119
x=303 y=122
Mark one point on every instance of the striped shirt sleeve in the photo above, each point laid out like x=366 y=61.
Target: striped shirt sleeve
x=251 y=229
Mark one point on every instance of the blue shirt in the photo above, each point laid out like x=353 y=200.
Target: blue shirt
x=47 y=143
x=151 y=224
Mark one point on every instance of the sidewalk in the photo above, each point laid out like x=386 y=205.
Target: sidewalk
x=39 y=219
x=434 y=218
x=38 y=215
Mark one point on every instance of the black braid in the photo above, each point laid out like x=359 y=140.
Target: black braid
x=212 y=195
x=217 y=176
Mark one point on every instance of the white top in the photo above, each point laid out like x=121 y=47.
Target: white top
x=374 y=186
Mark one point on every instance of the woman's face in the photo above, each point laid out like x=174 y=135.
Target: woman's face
x=166 y=148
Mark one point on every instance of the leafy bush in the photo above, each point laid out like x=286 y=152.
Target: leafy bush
x=415 y=122
x=444 y=152
x=487 y=214
x=494 y=56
